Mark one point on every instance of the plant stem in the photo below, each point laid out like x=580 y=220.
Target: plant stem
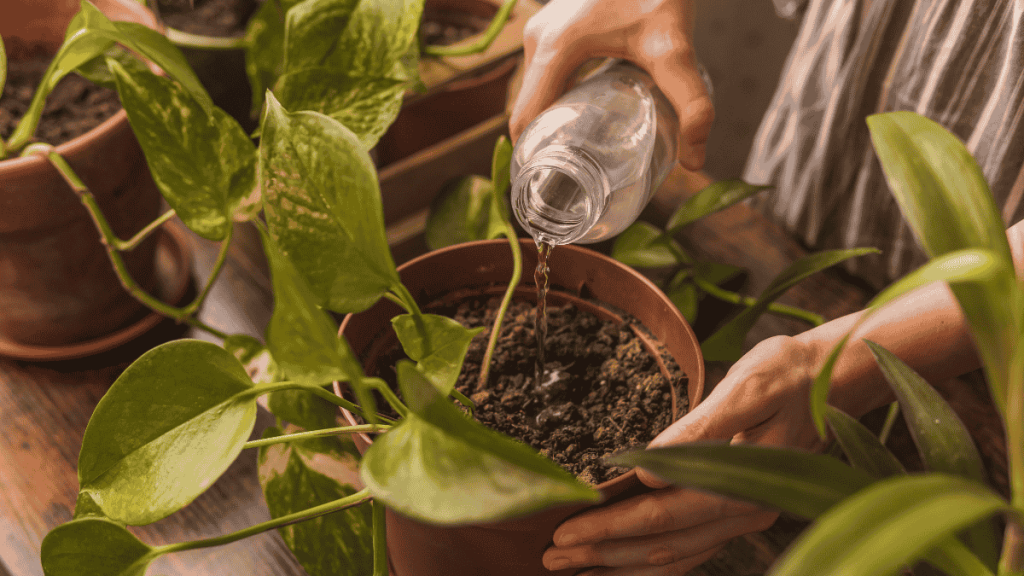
x=334 y=399
x=110 y=241
x=406 y=299
x=189 y=40
x=482 y=43
x=388 y=394
x=890 y=421
x=126 y=245
x=464 y=400
x=370 y=428
x=380 y=540
x=774 y=308
x=517 y=274
x=314 y=512
x=218 y=265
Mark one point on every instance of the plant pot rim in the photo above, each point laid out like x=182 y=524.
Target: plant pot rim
x=695 y=374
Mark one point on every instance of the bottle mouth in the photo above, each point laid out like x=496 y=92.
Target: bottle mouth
x=558 y=202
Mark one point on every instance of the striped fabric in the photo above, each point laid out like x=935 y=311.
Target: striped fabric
x=960 y=63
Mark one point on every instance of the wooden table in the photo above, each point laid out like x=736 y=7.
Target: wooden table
x=44 y=408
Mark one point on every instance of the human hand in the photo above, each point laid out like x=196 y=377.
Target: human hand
x=653 y=34
x=764 y=399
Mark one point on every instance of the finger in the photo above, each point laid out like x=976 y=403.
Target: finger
x=653 y=513
x=547 y=70
x=675 y=70
x=660 y=549
x=675 y=569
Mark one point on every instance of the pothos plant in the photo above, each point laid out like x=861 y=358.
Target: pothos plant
x=175 y=419
x=871 y=516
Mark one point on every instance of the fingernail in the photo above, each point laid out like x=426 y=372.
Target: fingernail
x=559 y=563
x=567 y=539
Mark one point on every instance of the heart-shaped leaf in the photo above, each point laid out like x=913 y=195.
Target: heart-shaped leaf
x=202 y=160
x=726 y=344
x=718 y=196
x=801 y=483
x=440 y=467
x=437 y=344
x=644 y=246
x=165 y=430
x=942 y=439
x=312 y=32
x=302 y=338
x=255 y=357
x=264 y=54
x=296 y=476
x=323 y=207
x=862 y=448
x=461 y=212
x=94 y=546
x=888 y=525
x=367 y=106
x=379 y=41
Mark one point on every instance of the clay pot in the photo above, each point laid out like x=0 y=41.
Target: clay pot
x=514 y=547
x=57 y=285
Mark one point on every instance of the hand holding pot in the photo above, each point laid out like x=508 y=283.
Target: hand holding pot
x=654 y=34
x=763 y=400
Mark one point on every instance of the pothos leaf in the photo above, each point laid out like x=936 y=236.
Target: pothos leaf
x=717 y=196
x=323 y=207
x=437 y=344
x=441 y=467
x=460 y=213
x=296 y=476
x=94 y=546
x=202 y=160
x=644 y=246
x=264 y=54
x=165 y=430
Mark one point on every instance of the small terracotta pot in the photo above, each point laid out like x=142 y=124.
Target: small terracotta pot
x=514 y=547
x=57 y=285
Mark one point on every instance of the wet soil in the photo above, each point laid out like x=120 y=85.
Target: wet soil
x=602 y=393
x=74 y=107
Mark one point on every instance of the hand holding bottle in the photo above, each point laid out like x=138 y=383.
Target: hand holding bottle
x=654 y=34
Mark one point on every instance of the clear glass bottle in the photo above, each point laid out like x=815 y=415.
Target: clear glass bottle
x=584 y=168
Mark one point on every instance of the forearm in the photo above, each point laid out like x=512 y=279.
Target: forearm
x=924 y=328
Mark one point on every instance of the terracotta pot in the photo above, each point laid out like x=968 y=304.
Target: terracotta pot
x=514 y=547
x=57 y=285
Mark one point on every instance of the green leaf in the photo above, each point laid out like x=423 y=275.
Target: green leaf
x=717 y=196
x=862 y=448
x=955 y=559
x=323 y=207
x=715 y=272
x=461 y=212
x=437 y=344
x=954 y=267
x=302 y=338
x=97 y=71
x=96 y=547
x=365 y=105
x=85 y=507
x=294 y=477
x=888 y=525
x=501 y=166
x=379 y=41
x=202 y=160
x=264 y=55
x=644 y=246
x=254 y=356
x=801 y=483
x=440 y=467
x=312 y=32
x=166 y=430
x=684 y=294
x=726 y=344
x=945 y=199
x=942 y=439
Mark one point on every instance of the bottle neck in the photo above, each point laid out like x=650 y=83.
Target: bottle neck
x=559 y=195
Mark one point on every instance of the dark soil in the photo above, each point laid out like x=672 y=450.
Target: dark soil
x=74 y=107
x=444 y=27
x=223 y=18
x=603 y=391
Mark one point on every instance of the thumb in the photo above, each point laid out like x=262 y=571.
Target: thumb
x=712 y=419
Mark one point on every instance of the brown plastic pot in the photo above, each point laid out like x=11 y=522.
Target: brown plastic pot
x=58 y=288
x=514 y=547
